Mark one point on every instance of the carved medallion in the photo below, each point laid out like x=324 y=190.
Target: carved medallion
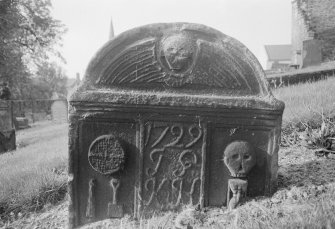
x=106 y=155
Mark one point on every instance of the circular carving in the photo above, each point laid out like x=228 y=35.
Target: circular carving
x=106 y=155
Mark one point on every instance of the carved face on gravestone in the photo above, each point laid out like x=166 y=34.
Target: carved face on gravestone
x=178 y=52
x=240 y=158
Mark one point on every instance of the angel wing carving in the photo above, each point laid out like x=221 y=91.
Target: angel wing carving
x=215 y=66
x=219 y=68
x=136 y=64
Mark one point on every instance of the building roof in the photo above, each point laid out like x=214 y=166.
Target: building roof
x=278 y=52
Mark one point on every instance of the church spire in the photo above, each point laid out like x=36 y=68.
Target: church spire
x=111 y=30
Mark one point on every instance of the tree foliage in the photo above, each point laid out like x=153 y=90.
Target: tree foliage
x=28 y=35
x=53 y=77
x=50 y=78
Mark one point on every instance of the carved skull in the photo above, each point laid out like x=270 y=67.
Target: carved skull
x=239 y=157
x=178 y=51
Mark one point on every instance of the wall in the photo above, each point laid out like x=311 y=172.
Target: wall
x=314 y=19
x=299 y=30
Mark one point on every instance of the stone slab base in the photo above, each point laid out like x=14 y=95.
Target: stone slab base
x=7 y=140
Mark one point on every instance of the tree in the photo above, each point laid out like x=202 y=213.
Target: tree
x=53 y=76
x=49 y=78
x=28 y=35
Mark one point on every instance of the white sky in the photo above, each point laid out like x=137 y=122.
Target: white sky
x=253 y=22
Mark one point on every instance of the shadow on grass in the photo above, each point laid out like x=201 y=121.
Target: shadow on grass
x=320 y=171
x=47 y=195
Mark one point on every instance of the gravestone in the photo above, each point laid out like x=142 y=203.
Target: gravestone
x=59 y=111
x=21 y=123
x=7 y=130
x=170 y=115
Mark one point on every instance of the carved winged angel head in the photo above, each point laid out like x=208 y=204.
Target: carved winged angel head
x=178 y=50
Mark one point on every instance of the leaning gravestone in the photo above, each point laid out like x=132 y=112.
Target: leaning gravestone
x=7 y=130
x=171 y=115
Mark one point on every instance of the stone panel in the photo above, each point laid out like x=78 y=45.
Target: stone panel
x=93 y=181
x=173 y=165
x=219 y=173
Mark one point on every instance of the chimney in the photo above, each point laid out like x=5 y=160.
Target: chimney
x=78 y=78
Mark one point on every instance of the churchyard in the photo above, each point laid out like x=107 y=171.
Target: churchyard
x=173 y=125
x=36 y=175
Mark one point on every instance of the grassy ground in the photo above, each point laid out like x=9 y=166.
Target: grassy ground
x=34 y=174
x=306 y=103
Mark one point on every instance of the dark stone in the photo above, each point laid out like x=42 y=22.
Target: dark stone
x=7 y=140
x=158 y=110
x=21 y=123
x=5 y=92
x=7 y=129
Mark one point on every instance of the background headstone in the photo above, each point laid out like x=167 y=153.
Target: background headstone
x=7 y=130
x=59 y=111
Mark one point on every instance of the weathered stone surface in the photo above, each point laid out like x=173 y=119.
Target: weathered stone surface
x=154 y=123
x=7 y=130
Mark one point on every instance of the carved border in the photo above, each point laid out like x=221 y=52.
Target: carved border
x=269 y=111
x=203 y=174
x=138 y=203
x=73 y=169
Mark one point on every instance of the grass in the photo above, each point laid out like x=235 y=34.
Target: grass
x=306 y=103
x=34 y=174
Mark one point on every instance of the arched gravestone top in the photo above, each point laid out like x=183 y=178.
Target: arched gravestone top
x=176 y=64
